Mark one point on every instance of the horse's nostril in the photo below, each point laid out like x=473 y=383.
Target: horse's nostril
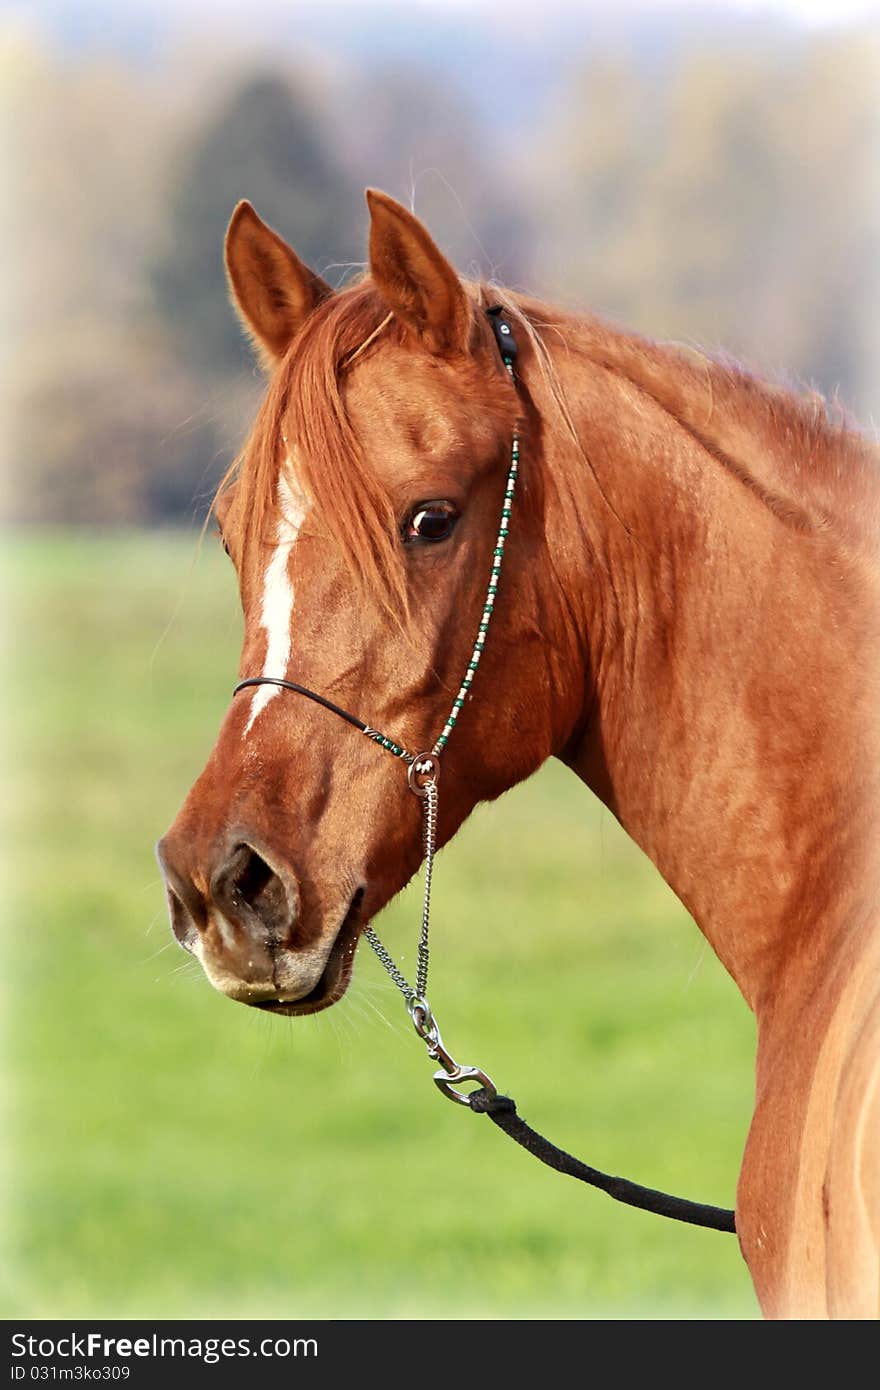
x=248 y=881
x=253 y=878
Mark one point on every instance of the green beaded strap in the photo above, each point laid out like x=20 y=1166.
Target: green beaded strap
x=488 y=608
x=376 y=737
x=489 y=605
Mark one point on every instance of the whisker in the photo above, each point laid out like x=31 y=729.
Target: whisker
x=701 y=956
x=159 y=951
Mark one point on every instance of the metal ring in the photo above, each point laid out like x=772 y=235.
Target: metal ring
x=422 y=1018
x=445 y=1081
x=424 y=768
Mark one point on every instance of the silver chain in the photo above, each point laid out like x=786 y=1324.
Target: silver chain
x=397 y=976
x=423 y=959
x=430 y=828
x=426 y=766
x=450 y=1073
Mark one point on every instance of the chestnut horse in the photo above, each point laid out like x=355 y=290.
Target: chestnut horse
x=688 y=617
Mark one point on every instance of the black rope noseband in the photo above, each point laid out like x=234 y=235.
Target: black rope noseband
x=486 y=1101
x=309 y=694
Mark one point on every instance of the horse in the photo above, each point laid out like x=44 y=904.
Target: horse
x=688 y=619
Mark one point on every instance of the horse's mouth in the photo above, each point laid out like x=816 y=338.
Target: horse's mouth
x=336 y=975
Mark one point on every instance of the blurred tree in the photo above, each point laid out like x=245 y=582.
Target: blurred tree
x=725 y=196
x=732 y=202
x=124 y=404
x=421 y=140
x=91 y=406
x=115 y=443
x=264 y=145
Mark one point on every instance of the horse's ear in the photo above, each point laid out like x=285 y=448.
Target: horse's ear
x=273 y=292
x=414 y=277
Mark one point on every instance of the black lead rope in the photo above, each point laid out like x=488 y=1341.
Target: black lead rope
x=486 y=1101
x=502 y=1112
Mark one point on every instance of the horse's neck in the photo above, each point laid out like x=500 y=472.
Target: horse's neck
x=721 y=609
x=730 y=721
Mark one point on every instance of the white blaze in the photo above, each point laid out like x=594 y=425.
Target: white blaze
x=276 y=612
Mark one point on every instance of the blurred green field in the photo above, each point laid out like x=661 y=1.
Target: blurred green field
x=176 y=1155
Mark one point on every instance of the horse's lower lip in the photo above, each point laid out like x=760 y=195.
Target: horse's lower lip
x=336 y=975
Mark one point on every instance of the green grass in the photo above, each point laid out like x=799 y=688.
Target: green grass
x=177 y=1155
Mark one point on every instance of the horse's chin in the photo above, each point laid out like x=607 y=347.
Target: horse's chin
x=336 y=975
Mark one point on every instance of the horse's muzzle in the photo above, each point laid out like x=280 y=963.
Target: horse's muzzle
x=240 y=917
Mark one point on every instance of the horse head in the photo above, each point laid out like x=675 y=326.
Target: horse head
x=361 y=519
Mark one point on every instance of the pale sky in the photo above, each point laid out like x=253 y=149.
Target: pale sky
x=807 y=11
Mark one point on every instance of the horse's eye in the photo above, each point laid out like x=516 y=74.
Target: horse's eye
x=223 y=541
x=432 y=521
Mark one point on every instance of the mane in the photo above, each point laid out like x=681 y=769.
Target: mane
x=809 y=469
x=798 y=453
x=302 y=427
